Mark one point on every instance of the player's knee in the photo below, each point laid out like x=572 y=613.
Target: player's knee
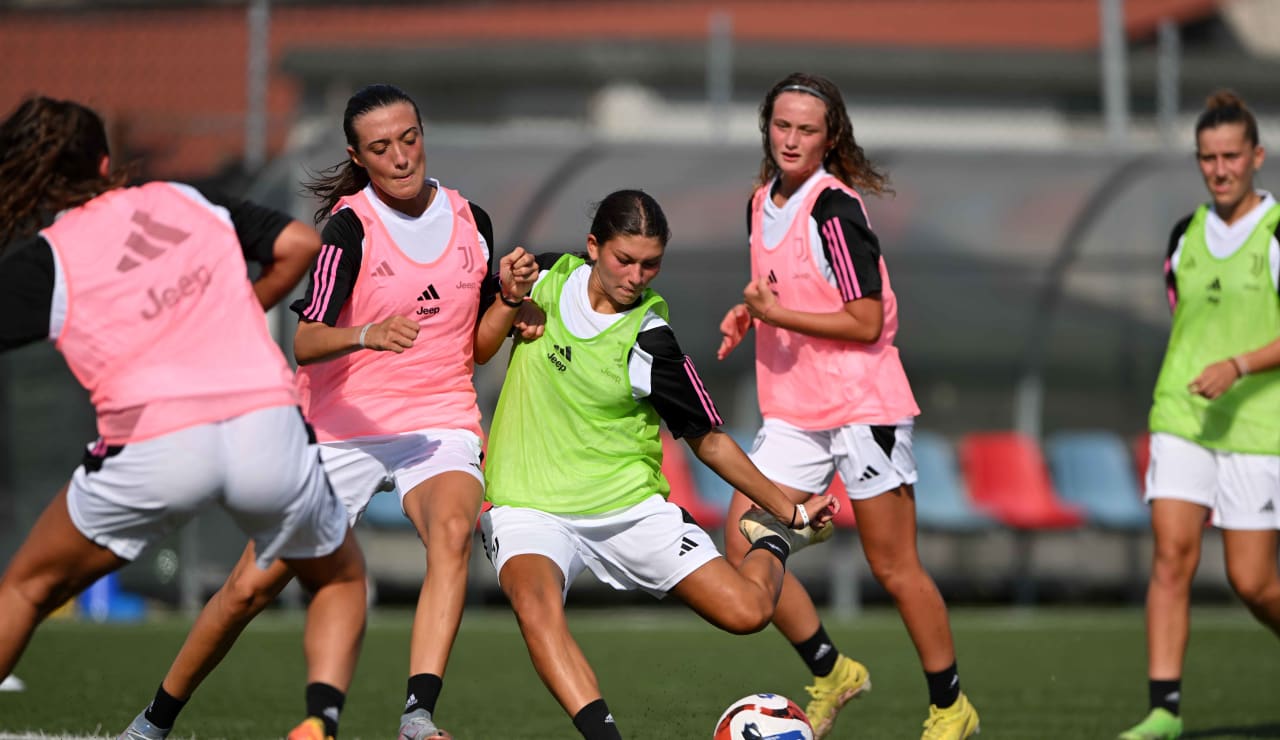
x=42 y=594
x=1254 y=589
x=1173 y=563
x=245 y=597
x=745 y=616
x=450 y=538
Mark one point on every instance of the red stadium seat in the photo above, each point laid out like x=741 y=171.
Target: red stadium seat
x=1142 y=455
x=684 y=492
x=1008 y=478
x=844 y=518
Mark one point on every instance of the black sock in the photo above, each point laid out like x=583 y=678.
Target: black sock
x=774 y=545
x=818 y=652
x=325 y=702
x=595 y=722
x=423 y=692
x=1165 y=694
x=163 y=710
x=944 y=686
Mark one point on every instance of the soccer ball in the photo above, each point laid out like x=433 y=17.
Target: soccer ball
x=763 y=717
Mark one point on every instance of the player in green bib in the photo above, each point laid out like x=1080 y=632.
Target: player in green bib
x=1215 y=423
x=574 y=465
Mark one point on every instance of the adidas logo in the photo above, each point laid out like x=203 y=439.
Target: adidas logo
x=608 y=719
x=412 y=700
x=686 y=545
x=772 y=278
x=1216 y=284
x=331 y=713
x=1216 y=288
x=429 y=294
x=868 y=474
x=142 y=247
x=565 y=352
x=822 y=650
x=1269 y=507
x=384 y=270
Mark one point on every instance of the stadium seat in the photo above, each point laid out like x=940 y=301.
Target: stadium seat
x=684 y=489
x=712 y=489
x=941 y=501
x=1142 y=454
x=384 y=512
x=1007 y=477
x=1093 y=469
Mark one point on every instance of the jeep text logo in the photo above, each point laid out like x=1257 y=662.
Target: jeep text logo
x=192 y=284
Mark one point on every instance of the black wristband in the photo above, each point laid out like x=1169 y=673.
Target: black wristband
x=514 y=303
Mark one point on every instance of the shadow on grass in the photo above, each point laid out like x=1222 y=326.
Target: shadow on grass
x=1253 y=731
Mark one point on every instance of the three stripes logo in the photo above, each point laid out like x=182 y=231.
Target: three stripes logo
x=384 y=270
x=561 y=356
x=686 y=545
x=868 y=474
x=142 y=243
x=1269 y=507
x=429 y=294
x=1215 y=289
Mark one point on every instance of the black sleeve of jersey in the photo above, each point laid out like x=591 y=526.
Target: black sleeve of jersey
x=490 y=286
x=333 y=276
x=257 y=227
x=749 y=218
x=548 y=260
x=1171 y=280
x=848 y=243
x=676 y=391
x=26 y=292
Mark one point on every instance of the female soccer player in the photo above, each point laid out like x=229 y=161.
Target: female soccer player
x=144 y=291
x=575 y=457
x=400 y=305
x=1215 y=422
x=832 y=390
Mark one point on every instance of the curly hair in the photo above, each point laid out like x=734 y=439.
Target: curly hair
x=51 y=154
x=845 y=159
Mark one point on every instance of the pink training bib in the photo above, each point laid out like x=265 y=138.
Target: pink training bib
x=162 y=325
x=429 y=386
x=812 y=382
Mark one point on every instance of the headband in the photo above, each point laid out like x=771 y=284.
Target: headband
x=806 y=89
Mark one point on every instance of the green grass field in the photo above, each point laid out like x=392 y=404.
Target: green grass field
x=1049 y=673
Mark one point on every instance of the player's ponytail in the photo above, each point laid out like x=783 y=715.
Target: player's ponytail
x=51 y=154
x=1223 y=107
x=346 y=177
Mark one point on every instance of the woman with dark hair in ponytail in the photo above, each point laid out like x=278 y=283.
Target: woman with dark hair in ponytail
x=833 y=392
x=402 y=303
x=574 y=471
x=145 y=291
x=1215 y=421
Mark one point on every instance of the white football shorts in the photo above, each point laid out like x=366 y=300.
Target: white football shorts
x=871 y=459
x=1242 y=490
x=260 y=467
x=360 y=467
x=649 y=546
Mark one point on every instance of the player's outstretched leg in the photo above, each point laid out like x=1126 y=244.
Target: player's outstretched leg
x=757 y=524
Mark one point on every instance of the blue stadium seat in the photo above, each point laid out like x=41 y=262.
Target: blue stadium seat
x=1094 y=469
x=384 y=512
x=941 y=501
x=712 y=488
